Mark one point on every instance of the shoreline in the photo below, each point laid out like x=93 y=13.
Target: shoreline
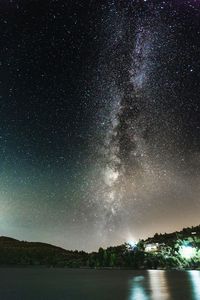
x=95 y=269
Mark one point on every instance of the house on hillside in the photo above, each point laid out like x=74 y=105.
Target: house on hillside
x=153 y=247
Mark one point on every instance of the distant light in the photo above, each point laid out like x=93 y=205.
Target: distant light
x=132 y=243
x=187 y=252
x=151 y=247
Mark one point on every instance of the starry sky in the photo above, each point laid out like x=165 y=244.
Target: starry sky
x=99 y=120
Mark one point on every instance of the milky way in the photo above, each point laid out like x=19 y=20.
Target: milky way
x=124 y=154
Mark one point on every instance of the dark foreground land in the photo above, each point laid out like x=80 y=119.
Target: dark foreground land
x=163 y=251
x=75 y=284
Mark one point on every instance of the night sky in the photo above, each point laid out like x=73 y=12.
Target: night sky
x=99 y=120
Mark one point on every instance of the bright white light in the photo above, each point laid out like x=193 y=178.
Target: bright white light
x=130 y=240
x=132 y=243
x=187 y=252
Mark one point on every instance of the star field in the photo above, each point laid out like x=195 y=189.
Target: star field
x=99 y=120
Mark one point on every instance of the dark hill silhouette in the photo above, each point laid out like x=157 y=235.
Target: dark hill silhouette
x=15 y=252
x=22 y=253
x=4 y=239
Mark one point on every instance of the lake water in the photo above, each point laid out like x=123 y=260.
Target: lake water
x=65 y=284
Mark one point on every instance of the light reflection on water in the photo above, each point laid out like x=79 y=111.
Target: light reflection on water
x=80 y=284
x=138 y=289
x=158 y=284
x=195 y=282
x=155 y=286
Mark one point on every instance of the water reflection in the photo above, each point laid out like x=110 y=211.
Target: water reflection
x=158 y=285
x=195 y=282
x=152 y=286
x=165 y=285
x=138 y=289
